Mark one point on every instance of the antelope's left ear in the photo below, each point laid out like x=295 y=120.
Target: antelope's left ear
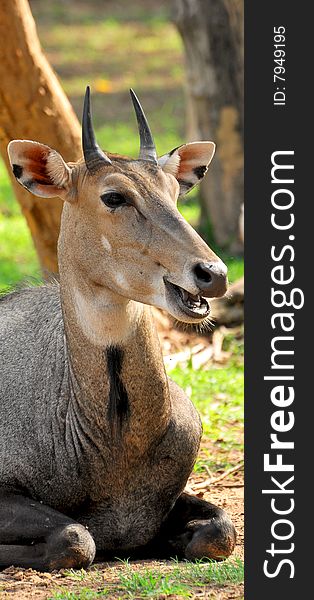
x=188 y=163
x=40 y=169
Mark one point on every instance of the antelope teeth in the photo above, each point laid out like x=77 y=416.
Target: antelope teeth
x=193 y=305
x=189 y=299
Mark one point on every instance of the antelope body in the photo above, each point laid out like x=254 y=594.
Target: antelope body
x=96 y=442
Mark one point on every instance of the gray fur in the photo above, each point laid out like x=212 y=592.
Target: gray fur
x=46 y=450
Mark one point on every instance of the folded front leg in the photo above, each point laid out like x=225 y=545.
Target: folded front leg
x=36 y=536
x=196 y=529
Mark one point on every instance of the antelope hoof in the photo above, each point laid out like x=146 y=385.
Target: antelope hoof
x=70 y=547
x=210 y=539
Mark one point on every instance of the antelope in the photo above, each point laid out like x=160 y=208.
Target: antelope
x=96 y=442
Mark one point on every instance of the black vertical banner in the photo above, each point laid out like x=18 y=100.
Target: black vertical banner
x=279 y=236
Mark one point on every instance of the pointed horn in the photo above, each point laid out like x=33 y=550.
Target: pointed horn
x=93 y=155
x=147 y=145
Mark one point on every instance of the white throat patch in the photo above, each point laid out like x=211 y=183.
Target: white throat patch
x=106 y=324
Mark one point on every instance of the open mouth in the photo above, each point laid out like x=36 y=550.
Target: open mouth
x=191 y=305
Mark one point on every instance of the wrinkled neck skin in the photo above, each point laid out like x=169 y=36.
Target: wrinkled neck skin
x=110 y=339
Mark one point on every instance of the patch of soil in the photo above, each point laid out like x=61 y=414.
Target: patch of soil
x=227 y=492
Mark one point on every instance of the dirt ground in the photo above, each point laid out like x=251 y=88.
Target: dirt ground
x=21 y=584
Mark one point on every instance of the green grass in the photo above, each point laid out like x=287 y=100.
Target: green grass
x=18 y=258
x=218 y=395
x=83 y=594
x=235 y=266
x=204 y=572
x=151 y=583
x=168 y=579
x=78 y=574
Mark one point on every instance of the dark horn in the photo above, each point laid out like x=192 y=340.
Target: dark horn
x=93 y=155
x=147 y=145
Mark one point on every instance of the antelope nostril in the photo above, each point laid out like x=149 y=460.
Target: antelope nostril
x=203 y=272
x=211 y=278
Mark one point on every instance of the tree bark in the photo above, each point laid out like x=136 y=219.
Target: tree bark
x=212 y=34
x=33 y=106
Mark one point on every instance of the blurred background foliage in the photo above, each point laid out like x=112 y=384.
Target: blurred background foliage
x=112 y=45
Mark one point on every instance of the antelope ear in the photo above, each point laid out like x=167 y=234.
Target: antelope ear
x=40 y=169
x=188 y=163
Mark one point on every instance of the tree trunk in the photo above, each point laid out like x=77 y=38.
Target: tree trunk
x=33 y=106
x=212 y=34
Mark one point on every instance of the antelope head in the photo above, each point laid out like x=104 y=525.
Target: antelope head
x=121 y=229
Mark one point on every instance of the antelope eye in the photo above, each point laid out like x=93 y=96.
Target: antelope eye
x=113 y=199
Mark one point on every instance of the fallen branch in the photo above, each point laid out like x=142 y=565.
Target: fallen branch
x=212 y=480
x=231 y=485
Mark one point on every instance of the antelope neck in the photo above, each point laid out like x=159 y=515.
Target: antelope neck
x=116 y=360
